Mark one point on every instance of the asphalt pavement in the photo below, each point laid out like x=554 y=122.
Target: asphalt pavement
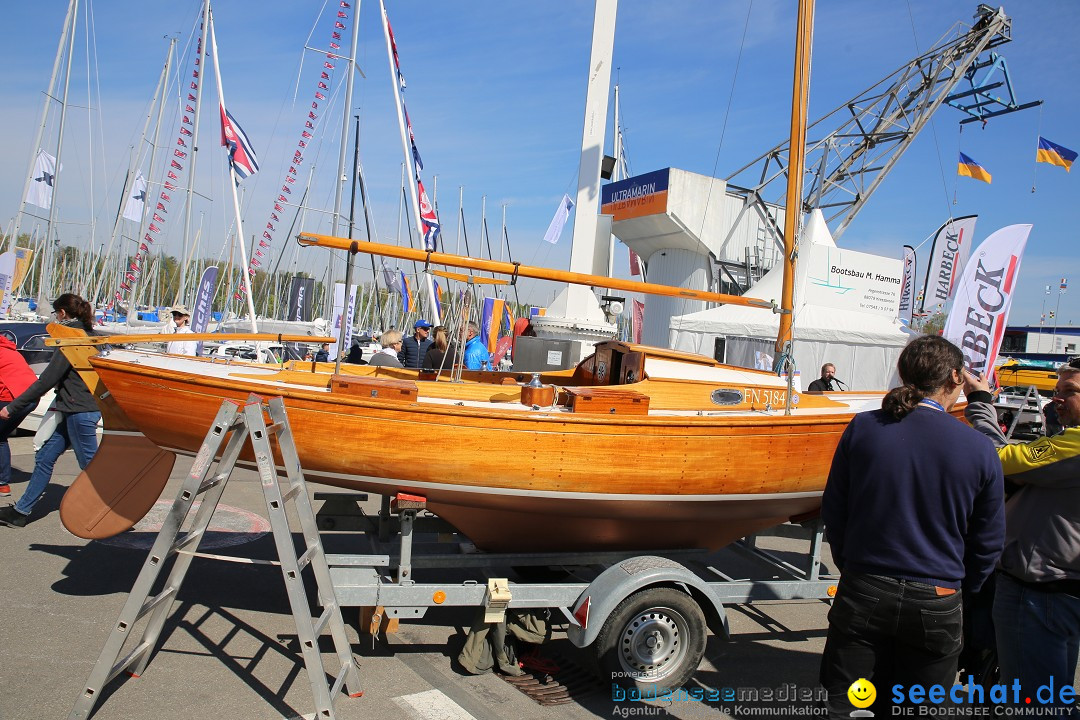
x=229 y=648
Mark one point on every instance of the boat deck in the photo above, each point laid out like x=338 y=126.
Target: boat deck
x=502 y=392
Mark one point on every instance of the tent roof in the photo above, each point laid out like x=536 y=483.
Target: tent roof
x=812 y=322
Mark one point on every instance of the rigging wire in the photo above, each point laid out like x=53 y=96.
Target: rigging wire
x=723 y=131
x=933 y=125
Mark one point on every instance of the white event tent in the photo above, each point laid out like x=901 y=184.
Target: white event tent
x=864 y=346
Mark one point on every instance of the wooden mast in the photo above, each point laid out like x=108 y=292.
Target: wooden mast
x=519 y=270
x=800 y=97
x=796 y=161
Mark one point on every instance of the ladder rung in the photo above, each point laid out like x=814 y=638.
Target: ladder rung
x=339 y=681
x=190 y=537
x=304 y=560
x=291 y=493
x=327 y=613
x=128 y=661
x=275 y=428
x=154 y=602
x=212 y=482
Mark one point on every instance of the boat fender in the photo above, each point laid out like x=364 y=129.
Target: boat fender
x=625 y=578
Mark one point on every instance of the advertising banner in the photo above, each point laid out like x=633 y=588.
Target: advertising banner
x=850 y=280
x=301 y=297
x=907 y=288
x=948 y=255
x=984 y=293
x=342 y=315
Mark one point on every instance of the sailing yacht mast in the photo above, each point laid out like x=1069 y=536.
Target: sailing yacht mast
x=245 y=278
x=200 y=61
x=793 y=203
x=575 y=312
x=159 y=99
x=343 y=147
x=50 y=227
x=69 y=30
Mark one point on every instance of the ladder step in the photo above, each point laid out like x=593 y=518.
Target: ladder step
x=304 y=560
x=211 y=483
x=328 y=612
x=153 y=602
x=130 y=659
x=291 y=493
x=191 y=537
x=339 y=681
x=275 y=428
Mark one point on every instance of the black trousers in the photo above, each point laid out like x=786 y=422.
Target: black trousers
x=889 y=632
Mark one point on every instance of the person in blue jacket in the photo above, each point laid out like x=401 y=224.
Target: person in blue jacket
x=477 y=356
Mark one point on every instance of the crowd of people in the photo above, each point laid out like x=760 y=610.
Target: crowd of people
x=928 y=518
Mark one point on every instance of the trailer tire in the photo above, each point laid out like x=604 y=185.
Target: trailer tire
x=654 y=639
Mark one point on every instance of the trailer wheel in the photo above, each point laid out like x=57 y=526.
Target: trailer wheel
x=655 y=638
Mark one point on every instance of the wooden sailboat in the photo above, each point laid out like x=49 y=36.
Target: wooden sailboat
x=635 y=448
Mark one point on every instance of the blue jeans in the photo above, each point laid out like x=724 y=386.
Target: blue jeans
x=77 y=431
x=6 y=428
x=1038 y=636
x=891 y=632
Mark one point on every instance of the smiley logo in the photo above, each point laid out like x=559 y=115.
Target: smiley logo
x=862 y=693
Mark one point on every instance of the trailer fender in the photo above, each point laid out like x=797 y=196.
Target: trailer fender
x=611 y=587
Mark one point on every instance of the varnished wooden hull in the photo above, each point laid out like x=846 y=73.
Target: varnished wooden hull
x=526 y=481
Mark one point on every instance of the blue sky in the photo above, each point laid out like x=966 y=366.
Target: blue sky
x=496 y=95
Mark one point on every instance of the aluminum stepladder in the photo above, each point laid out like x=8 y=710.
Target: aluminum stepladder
x=244 y=420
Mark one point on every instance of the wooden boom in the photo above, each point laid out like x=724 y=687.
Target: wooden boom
x=169 y=337
x=519 y=270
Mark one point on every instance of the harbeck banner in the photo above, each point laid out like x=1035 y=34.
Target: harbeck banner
x=907 y=287
x=984 y=293
x=951 y=249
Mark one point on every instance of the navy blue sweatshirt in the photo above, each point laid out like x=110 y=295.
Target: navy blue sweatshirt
x=920 y=499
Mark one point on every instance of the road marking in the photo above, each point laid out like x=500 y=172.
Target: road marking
x=431 y=705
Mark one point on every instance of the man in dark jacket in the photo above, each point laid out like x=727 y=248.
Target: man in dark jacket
x=413 y=349
x=323 y=354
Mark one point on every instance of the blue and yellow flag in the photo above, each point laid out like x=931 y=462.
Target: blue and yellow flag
x=407 y=298
x=1054 y=154
x=490 y=318
x=970 y=168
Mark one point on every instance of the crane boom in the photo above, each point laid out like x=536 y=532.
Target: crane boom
x=846 y=166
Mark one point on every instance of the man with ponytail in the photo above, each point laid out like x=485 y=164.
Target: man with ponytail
x=1037 y=593
x=79 y=414
x=914 y=515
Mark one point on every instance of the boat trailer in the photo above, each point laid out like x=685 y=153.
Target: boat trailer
x=644 y=615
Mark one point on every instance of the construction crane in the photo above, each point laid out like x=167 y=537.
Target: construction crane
x=845 y=167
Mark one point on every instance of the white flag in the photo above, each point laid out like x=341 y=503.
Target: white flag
x=41 y=184
x=555 y=228
x=976 y=322
x=136 y=201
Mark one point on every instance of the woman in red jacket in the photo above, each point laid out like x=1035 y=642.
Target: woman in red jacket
x=15 y=377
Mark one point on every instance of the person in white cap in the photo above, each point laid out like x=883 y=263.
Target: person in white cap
x=181 y=323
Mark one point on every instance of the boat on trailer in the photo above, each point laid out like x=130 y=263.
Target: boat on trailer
x=636 y=448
